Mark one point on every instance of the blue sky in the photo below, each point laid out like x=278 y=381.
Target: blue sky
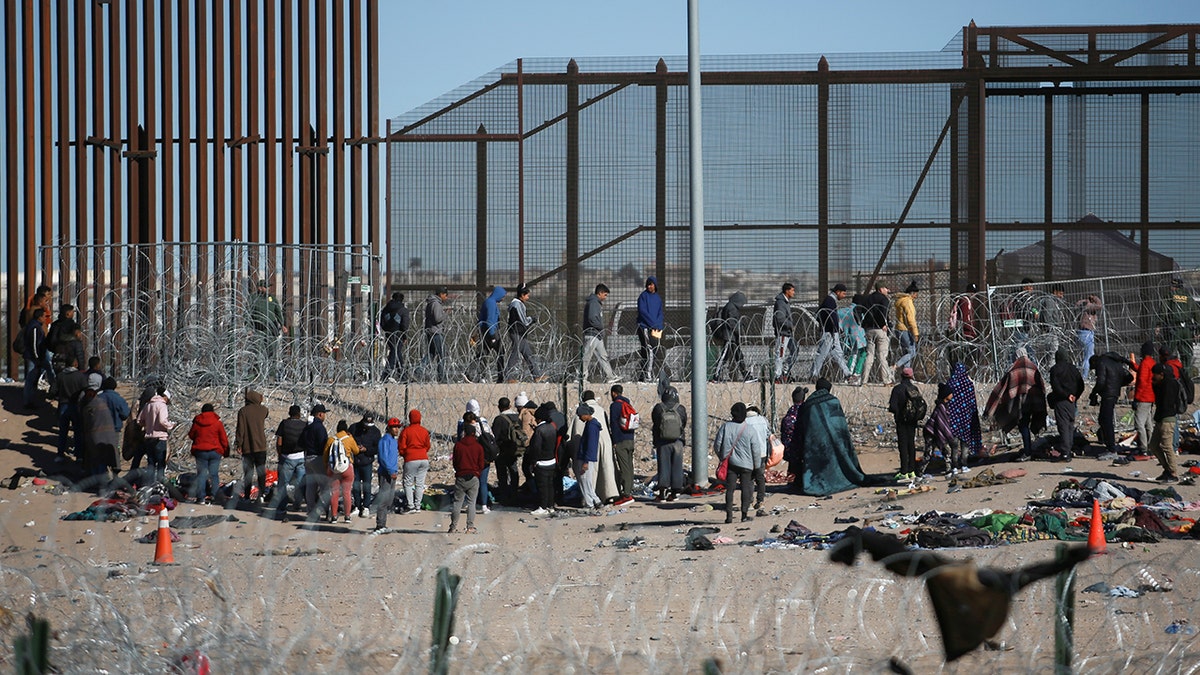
x=428 y=48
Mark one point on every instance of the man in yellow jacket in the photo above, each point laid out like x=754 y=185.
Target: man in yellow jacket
x=906 y=325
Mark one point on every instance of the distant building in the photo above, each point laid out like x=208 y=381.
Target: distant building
x=1077 y=254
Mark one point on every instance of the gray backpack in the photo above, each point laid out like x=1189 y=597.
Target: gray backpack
x=670 y=427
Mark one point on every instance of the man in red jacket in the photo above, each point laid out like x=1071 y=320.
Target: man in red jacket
x=468 y=464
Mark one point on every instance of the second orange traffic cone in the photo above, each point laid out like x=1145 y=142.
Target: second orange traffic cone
x=1096 y=541
x=163 y=554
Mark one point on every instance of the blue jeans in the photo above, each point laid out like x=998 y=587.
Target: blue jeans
x=291 y=474
x=908 y=347
x=483 y=489
x=830 y=346
x=208 y=474
x=67 y=417
x=1087 y=338
x=361 y=489
x=156 y=458
x=33 y=370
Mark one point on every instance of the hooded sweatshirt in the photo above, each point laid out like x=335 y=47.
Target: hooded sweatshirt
x=489 y=311
x=650 y=307
x=414 y=439
x=731 y=316
x=251 y=431
x=738 y=442
x=1065 y=380
x=593 y=316
x=208 y=433
x=435 y=315
x=153 y=418
x=670 y=399
x=906 y=314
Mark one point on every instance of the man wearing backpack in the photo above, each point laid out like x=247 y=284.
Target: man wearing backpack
x=908 y=410
x=622 y=423
x=395 y=321
x=668 y=422
x=507 y=428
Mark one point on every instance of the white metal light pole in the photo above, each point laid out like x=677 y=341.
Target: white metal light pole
x=696 y=182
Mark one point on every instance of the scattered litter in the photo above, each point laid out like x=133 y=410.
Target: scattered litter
x=1123 y=592
x=629 y=542
x=699 y=508
x=846 y=520
x=1152 y=584
x=292 y=551
x=1098 y=587
x=29 y=524
x=697 y=539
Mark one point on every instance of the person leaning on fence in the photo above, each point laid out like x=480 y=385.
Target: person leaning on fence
x=435 y=340
x=593 y=334
x=395 y=321
x=650 y=323
x=668 y=432
x=519 y=323
x=251 y=444
x=1180 y=318
x=785 y=330
x=830 y=345
x=875 y=324
x=388 y=450
x=414 y=444
x=290 y=471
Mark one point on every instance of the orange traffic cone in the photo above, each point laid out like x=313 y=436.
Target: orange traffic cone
x=1096 y=541
x=162 y=549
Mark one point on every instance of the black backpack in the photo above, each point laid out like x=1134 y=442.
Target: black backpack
x=914 y=409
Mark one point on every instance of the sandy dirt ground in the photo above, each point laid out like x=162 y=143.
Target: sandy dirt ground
x=575 y=593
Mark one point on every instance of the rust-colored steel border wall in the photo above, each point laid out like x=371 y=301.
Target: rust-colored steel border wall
x=188 y=137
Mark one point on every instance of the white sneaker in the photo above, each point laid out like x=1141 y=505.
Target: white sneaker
x=485 y=509
x=412 y=510
x=965 y=469
x=539 y=512
x=362 y=513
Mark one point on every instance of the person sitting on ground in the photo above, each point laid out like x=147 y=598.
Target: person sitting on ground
x=940 y=436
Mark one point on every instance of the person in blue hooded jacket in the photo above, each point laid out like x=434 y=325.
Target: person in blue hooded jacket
x=649 y=325
x=489 y=334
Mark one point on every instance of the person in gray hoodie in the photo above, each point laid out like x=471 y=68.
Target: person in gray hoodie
x=785 y=327
x=738 y=443
x=519 y=323
x=728 y=334
x=435 y=316
x=593 y=334
x=760 y=428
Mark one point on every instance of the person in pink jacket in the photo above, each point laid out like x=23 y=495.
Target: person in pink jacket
x=156 y=424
